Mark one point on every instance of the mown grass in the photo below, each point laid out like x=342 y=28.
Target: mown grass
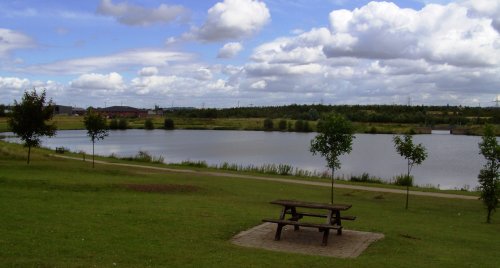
x=64 y=213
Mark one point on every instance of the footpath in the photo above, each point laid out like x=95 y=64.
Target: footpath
x=292 y=181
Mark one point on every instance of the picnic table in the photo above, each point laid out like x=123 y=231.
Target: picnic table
x=332 y=215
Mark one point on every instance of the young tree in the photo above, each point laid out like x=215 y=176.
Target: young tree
x=489 y=175
x=415 y=154
x=148 y=124
x=335 y=135
x=28 y=119
x=96 y=126
x=168 y=124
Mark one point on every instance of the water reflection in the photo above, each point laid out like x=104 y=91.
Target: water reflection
x=453 y=161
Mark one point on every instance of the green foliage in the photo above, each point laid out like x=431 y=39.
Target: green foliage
x=302 y=126
x=414 y=154
x=282 y=124
x=143 y=156
x=268 y=124
x=403 y=180
x=365 y=177
x=2 y=110
x=28 y=119
x=122 y=123
x=95 y=123
x=113 y=124
x=489 y=175
x=97 y=128
x=148 y=124
x=168 y=124
x=335 y=135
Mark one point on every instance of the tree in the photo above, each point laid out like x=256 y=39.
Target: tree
x=148 y=124
x=28 y=119
x=97 y=128
x=268 y=124
x=335 y=135
x=489 y=175
x=414 y=154
x=168 y=124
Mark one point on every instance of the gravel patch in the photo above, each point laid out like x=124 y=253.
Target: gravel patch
x=307 y=241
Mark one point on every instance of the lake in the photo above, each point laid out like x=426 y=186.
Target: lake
x=453 y=161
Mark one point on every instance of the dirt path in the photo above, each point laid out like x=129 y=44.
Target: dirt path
x=294 y=181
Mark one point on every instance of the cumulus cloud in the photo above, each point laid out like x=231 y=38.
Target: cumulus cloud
x=230 y=50
x=148 y=71
x=140 y=16
x=12 y=40
x=118 y=61
x=436 y=33
x=93 y=81
x=232 y=20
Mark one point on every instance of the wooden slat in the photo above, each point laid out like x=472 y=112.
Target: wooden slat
x=304 y=224
x=295 y=203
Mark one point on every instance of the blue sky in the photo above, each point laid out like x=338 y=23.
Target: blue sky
x=251 y=52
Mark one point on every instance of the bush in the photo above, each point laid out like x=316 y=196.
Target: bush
x=268 y=124
x=148 y=124
x=122 y=123
x=365 y=177
x=168 y=124
x=403 y=180
x=113 y=124
x=282 y=125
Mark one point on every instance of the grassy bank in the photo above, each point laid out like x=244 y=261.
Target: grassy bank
x=63 y=213
x=76 y=122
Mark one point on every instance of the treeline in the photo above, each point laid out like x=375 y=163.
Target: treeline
x=426 y=115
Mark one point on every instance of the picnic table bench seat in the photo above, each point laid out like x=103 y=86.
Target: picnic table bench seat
x=322 y=227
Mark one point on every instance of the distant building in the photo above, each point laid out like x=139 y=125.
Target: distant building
x=123 y=111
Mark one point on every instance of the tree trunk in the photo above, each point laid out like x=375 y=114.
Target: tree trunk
x=93 y=154
x=333 y=177
x=488 y=218
x=408 y=185
x=29 y=153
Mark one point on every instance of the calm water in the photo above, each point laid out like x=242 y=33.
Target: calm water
x=453 y=161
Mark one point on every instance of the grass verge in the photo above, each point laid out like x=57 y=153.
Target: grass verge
x=64 y=213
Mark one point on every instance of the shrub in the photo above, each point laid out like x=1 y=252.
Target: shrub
x=268 y=124
x=365 y=177
x=148 y=124
x=403 y=180
x=282 y=125
x=113 y=124
x=122 y=123
x=168 y=124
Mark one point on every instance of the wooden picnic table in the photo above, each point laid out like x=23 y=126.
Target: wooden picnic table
x=333 y=217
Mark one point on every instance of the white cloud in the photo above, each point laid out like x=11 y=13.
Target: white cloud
x=14 y=83
x=140 y=16
x=148 y=71
x=12 y=40
x=232 y=20
x=109 y=82
x=261 y=84
x=119 y=61
x=436 y=33
x=230 y=50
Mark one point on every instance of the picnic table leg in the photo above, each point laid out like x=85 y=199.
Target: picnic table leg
x=339 y=223
x=295 y=217
x=277 y=236
x=326 y=233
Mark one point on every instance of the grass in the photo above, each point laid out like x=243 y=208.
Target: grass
x=64 y=213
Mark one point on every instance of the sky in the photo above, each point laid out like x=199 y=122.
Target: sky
x=235 y=53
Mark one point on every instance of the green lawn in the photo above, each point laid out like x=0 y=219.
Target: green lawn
x=63 y=213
